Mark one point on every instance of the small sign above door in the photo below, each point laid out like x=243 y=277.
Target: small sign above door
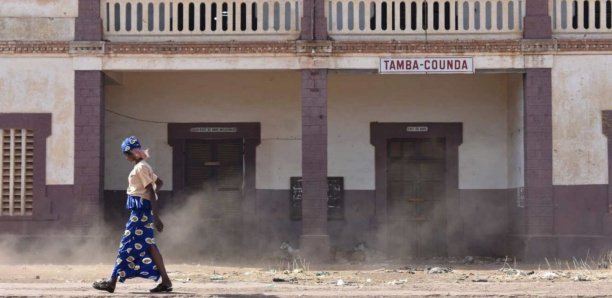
x=431 y=65
x=214 y=129
x=417 y=129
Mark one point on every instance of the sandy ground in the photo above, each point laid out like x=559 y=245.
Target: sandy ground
x=379 y=280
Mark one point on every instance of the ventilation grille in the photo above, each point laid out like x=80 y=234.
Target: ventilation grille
x=17 y=169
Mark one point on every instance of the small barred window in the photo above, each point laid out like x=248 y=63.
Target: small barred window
x=17 y=171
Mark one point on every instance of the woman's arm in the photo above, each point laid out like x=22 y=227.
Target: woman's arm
x=159 y=225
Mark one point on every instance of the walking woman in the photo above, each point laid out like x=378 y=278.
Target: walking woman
x=138 y=254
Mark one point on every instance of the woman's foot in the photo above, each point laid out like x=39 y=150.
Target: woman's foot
x=104 y=285
x=161 y=288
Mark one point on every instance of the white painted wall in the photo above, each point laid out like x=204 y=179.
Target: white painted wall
x=44 y=85
x=40 y=20
x=582 y=88
x=479 y=101
x=40 y=8
x=272 y=98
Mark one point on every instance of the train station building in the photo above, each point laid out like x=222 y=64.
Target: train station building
x=422 y=128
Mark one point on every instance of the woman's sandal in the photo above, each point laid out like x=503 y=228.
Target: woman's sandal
x=161 y=288
x=104 y=285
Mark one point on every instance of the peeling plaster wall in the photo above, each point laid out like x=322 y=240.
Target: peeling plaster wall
x=44 y=85
x=479 y=101
x=272 y=98
x=581 y=90
x=38 y=20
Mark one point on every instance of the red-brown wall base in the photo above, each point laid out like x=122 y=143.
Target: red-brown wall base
x=580 y=224
x=537 y=248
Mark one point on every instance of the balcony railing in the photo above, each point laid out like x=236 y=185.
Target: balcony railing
x=273 y=20
x=193 y=20
x=421 y=19
x=581 y=18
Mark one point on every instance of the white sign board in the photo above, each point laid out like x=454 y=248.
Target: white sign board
x=439 y=65
x=417 y=129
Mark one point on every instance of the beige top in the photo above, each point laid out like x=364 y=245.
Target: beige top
x=141 y=176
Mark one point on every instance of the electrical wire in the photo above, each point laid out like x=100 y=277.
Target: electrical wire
x=134 y=118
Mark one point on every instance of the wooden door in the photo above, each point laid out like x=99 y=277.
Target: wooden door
x=416 y=195
x=215 y=178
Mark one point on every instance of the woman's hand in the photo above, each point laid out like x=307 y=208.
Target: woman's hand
x=159 y=225
x=158 y=184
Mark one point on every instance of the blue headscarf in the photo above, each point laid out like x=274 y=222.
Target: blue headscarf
x=129 y=143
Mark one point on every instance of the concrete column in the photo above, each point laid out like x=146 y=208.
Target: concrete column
x=538 y=164
x=88 y=25
x=537 y=24
x=88 y=147
x=314 y=241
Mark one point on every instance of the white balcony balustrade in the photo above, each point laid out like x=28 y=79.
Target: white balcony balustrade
x=421 y=19
x=353 y=20
x=581 y=18
x=210 y=20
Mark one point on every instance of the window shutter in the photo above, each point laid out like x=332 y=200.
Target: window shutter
x=17 y=171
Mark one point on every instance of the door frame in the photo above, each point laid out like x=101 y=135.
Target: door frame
x=382 y=132
x=180 y=133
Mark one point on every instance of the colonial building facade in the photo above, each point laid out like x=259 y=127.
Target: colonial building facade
x=421 y=127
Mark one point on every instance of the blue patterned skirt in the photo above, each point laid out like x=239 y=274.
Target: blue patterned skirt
x=133 y=258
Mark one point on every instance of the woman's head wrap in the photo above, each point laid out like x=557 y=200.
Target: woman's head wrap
x=129 y=144
x=132 y=146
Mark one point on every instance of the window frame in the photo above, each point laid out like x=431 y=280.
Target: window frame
x=40 y=124
x=334 y=213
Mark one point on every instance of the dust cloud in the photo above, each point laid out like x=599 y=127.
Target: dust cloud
x=199 y=227
x=57 y=248
x=207 y=228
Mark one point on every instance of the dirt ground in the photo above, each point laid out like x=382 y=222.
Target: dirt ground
x=375 y=280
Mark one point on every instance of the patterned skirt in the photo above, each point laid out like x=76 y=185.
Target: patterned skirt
x=133 y=258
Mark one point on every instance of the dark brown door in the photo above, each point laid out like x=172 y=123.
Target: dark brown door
x=416 y=191
x=215 y=179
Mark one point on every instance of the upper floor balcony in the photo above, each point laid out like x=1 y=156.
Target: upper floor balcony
x=581 y=18
x=197 y=20
x=351 y=20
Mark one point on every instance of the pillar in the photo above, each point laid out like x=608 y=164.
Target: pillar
x=88 y=147
x=314 y=241
x=539 y=201
x=537 y=24
x=88 y=25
